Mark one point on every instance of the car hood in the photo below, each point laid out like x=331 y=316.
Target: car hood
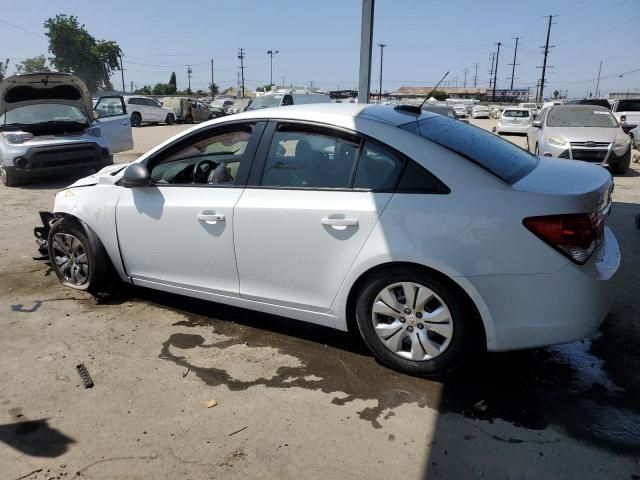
x=37 y=88
x=584 y=134
x=107 y=175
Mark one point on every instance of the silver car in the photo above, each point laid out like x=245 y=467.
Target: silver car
x=581 y=132
x=48 y=126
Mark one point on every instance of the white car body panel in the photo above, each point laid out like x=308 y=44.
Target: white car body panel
x=290 y=264
x=508 y=124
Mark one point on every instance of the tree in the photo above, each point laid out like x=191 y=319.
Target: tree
x=214 y=89
x=264 y=88
x=33 y=64
x=76 y=51
x=173 y=82
x=146 y=90
x=439 y=95
x=3 y=69
x=556 y=94
x=163 y=89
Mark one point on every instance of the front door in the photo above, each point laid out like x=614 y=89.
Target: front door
x=178 y=232
x=114 y=123
x=301 y=225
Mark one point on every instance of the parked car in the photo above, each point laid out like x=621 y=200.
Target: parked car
x=216 y=112
x=292 y=98
x=603 y=102
x=222 y=103
x=634 y=135
x=147 y=110
x=511 y=252
x=581 y=132
x=495 y=111
x=187 y=110
x=531 y=106
x=48 y=126
x=551 y=104
x=443 y=110
x=480 y=111
x=461 y=111
x=514 y=120
x=239 y=106
x=627 y=111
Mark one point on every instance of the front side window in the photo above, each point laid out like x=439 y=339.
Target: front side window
x=109 y=107
x=209 y=159
x=305 y=157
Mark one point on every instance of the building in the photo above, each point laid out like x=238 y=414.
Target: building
x=478 y=93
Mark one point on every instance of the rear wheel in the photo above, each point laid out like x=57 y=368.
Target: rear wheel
x=528 y=147
x=136 y=119
x=188 y=119
x=79 y=263
x=170 y=120
x=8 y=180
x=414 y=321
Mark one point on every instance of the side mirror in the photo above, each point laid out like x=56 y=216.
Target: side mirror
x=536 y=124
x=136 y=175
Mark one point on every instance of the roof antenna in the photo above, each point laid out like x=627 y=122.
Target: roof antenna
x=434 y=89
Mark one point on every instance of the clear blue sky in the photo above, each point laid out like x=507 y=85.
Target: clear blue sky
x=319 y=41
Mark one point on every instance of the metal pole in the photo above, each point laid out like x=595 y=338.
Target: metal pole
x=212 y=83
x=544 y=63
x=495 y=73
x=241 y=57
x=513 y=69
x=366 y=39
x=122 y=73
x=465 y=78
x=475 y=77
x=598 y=84
x=493 y=59
x=381 y=45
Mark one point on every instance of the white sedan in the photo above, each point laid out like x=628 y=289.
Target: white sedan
x=514 y=120
x=431 y=238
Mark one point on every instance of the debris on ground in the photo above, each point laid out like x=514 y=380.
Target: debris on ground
x=211 y=403
x=186 y=372
x=238 y=431
x=84 y=375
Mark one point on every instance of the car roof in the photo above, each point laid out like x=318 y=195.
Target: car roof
x=341 y=114
x=581 y=107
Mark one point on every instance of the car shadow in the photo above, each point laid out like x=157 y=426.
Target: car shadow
x=35 y=438
x=54 y=183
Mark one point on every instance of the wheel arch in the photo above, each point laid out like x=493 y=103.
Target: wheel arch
x=472 y=299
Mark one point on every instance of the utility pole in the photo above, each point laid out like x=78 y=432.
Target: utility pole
x=241 y=57
x=513 y=65
x=238 y=75
x=122 y=73
x=271 y=53
x=283 y=77
x=189 y=77
x=381 y=45
x=475 y=77
x=131 y=86
x=465 y=78
x=212 y=83
x=366 y=40
x=598 y=84
x=544 y=63
x=495 y=73
x=493 y=59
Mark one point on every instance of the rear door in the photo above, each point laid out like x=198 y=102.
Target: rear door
x=305 y=214
x=114 y=122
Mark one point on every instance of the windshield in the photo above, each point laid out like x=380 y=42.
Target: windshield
x=581 y=117
x=500 y=157
x=629 y=106
x=265 y=101
x=516 y=113
x=41 y=113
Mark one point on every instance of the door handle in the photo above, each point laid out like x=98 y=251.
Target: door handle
x=210 y=218
x=124 y=122
x=340 y=223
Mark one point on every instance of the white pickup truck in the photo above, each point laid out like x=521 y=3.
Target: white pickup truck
x=627 y=111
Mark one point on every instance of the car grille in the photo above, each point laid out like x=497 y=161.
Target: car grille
x=586 y=155
x=590 y=144
x=67 y=156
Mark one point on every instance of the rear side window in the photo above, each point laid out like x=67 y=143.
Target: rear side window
x=500 y=157
x=377 y=169
x=628 y=106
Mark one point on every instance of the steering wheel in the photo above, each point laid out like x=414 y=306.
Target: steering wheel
x=202 y=169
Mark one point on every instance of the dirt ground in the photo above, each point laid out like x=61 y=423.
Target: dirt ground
x=292 y=400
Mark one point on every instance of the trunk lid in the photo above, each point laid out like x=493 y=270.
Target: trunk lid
x=47 y=87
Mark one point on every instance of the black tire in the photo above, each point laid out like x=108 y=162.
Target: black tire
x=170 y=120
x=136 y=119
x=188 y=119
x=462 y=343
x=100 y=277
x=623 y=164
x=8 y=180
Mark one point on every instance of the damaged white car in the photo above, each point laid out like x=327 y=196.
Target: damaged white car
x=48 y=126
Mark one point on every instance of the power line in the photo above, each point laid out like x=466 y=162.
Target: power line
x=22 y=28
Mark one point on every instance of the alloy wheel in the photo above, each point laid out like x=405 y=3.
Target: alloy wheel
x=70 y=258
x=412 y=321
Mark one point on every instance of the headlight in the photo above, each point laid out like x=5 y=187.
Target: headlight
x=17 y=137
x=94 y=131
x=557 y=141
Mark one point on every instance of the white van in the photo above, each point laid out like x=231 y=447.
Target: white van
x=280 y=99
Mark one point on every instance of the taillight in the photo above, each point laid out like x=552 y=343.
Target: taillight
x=575 y=235
x=623 y=118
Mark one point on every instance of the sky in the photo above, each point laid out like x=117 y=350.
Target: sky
x=319 y=41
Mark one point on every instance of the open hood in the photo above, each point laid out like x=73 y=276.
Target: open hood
x=36 y=88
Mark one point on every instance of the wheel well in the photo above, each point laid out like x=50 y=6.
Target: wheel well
x=357 y=286
x=91 y=235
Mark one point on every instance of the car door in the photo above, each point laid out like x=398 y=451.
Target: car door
x=114 y=122
x=177 y=233
x=155 y=112
x=301 y=220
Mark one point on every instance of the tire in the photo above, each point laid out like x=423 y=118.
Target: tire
x=537 y=151
x=8 y=180
x=622 y=166
x=188 y=119
x=430 y=353
x=136 y=119
x=528 y=146
x=170 y=120
x=91 y=270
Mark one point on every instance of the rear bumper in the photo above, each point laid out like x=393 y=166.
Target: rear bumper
x=500 y=128
x=538 y=310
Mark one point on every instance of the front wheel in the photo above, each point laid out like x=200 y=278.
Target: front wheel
x=528 y=147
x=170 y=120
x=414 y=321
x=8 y=180
x=188 y=119
x=623 y=164
x=136 y=119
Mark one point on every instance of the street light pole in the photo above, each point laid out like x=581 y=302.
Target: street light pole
x=271 y=53
x=366 y=40
x=381 y=45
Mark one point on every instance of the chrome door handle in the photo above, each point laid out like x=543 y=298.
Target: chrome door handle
x=210 y=218
x=340 y=223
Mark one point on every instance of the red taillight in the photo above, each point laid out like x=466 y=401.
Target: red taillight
x=623 y=118
x=575 y=235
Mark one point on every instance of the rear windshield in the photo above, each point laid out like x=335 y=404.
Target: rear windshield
x=516 y=113
x=628 y=106
x=500 y=157
x=580 y=117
